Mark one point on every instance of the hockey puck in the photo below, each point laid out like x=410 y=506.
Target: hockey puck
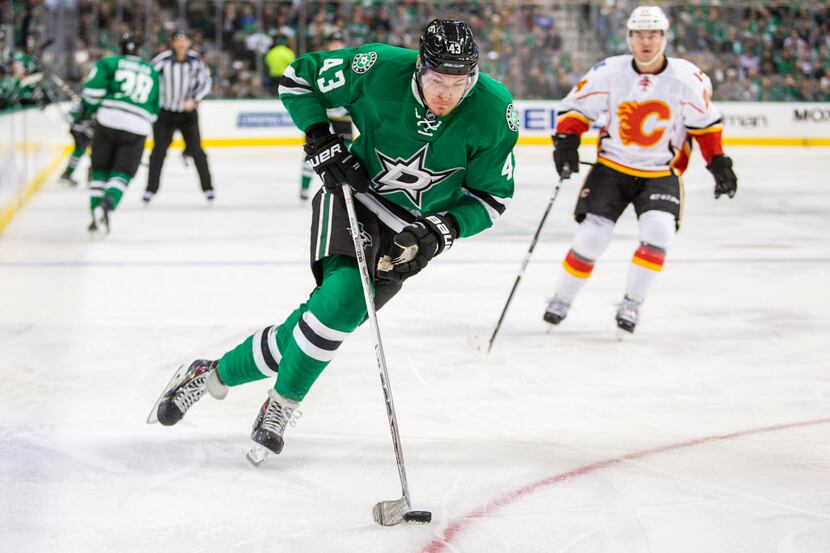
x=421 y=517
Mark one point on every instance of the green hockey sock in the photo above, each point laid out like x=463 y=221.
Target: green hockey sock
x=305 y=175
x=116 y=186
x=300 y=348
x=74 y=159
x=97 y=183
x=333 y=311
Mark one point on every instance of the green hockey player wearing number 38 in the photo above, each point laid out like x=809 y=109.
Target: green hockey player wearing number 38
x=434 y=162
x=123 y=93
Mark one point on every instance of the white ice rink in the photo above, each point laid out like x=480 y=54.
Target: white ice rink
x=708 y=431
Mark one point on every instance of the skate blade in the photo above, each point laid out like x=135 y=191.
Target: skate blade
x=256 y=455
x=623 y=335
x=152 y=418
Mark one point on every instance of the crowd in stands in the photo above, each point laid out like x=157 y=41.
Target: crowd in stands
x=757 y=53
x=767 y=52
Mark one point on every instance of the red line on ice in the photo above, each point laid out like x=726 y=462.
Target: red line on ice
x=465 y=521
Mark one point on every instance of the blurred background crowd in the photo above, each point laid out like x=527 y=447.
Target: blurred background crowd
x=752 y=50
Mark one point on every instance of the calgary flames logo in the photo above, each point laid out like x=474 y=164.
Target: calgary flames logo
x=632 y=117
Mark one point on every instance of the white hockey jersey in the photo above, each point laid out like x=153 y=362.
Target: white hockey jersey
x=649 y=115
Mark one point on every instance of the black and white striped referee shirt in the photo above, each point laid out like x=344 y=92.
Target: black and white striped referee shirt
x=181 y=80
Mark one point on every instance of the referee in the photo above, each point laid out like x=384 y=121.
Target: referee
x=185 y=80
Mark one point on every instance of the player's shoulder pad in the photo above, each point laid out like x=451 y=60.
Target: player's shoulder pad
x=492 y=97
x=109 y=62
x=612 y=64
x=368 y=56
x=689 y=73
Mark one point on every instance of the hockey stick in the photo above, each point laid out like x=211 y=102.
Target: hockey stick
x=393 y=511
x=526 y=260
x=71 y=94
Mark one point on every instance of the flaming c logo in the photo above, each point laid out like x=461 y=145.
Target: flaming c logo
x=632 y=116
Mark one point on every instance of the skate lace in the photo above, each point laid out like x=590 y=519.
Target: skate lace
x=190 y=393
x=276 y=417
x=628 y=309
x=555 y=305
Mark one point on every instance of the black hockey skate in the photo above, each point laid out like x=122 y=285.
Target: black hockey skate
x=101 y=216
x=184 y=389
x=269 y=427
x=556 y=311
x=66 y=178
x=628 y=312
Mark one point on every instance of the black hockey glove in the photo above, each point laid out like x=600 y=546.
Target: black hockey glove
x=566 y=154
x=415 y=245
x=725 y=180
x=329 y=157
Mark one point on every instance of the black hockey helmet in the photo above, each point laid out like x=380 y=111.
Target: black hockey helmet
x=130 y=44
x=447 y=46
x=335 y=36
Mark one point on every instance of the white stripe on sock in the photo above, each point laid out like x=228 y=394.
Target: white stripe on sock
x=310 y=349
x=324 y=331
x=259 y=361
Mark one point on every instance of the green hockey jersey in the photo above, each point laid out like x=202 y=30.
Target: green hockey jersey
x=125 y=92
x=461 y=163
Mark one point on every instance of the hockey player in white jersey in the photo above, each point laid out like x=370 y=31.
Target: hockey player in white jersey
x=655 y=105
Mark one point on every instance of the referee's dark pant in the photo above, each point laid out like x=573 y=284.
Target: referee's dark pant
x=188 y=123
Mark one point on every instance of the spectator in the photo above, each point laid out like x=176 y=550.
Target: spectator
x=278 y=58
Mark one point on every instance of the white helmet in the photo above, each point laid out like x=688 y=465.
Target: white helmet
x=648 y=18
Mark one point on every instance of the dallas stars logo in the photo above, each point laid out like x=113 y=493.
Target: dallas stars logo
x=409 y=176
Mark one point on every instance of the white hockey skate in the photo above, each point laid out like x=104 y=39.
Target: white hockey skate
x=628 y=312
x=556 y=311
x=269 y=427
x=189 y=383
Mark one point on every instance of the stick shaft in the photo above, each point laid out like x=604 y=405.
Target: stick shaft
x=525 y=261
x=379 y=354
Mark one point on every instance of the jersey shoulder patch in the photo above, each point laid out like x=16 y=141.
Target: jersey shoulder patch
x=363 y=61
x=512 y=114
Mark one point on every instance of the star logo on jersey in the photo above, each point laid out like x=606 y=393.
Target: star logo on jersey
x=409 y=176
x=512 y=115
x=364 y=62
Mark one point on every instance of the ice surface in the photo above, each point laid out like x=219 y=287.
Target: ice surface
x=733 y=338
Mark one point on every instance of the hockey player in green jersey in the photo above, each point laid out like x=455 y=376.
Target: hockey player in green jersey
x=82 y=130
x=341 y=122
x=123 y=91
x=433 y=163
